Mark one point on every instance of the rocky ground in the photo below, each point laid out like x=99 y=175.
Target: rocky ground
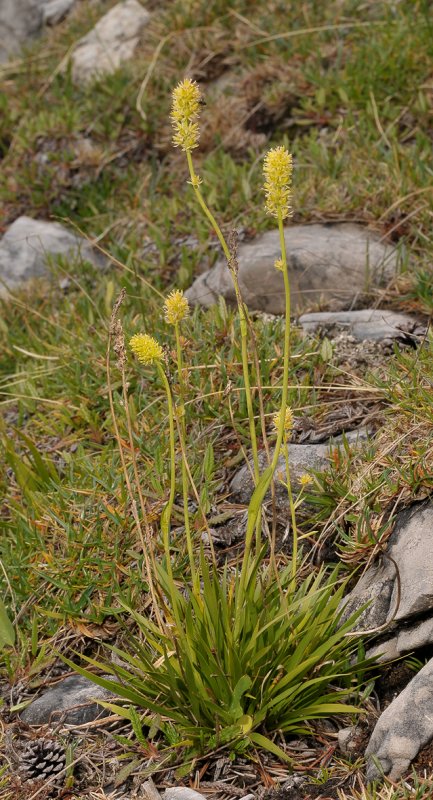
x=94 y=200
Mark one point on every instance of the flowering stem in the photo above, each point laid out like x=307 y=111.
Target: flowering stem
x=182 y=434
x=246 y=376
x=166 y=517
x=242 y=321
x=285 y=385
x=207 y=211
x=292 y=511
x=253 y=511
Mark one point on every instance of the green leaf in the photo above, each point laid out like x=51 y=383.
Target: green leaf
x=241 y=687
x=267 y=744
x=326 y=351
x=258 y=495
x=7 y=632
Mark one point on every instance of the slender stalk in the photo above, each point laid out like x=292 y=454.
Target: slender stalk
x=182 y=436
x=286 y=380
x=166 y=517
x=116 y=333
x=292 y=511
x=252 y=513
x=195 y=185
x=243 y=321
x=255 y=506
x=197 y=496
x=148 y=543
x=248 y=395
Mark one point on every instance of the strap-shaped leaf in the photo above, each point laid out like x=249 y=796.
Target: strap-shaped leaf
x=7 y=632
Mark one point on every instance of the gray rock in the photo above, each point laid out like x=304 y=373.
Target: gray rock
x=111 y=42
x=30 y=244
x=56 y=10
x=367 y=323
x=410 y=546
x=345 y=738
x=181 y=793
x=328 y=263
x=19 y=20
x=302 y=459
x=70 y=702
x=409 y=638
x=403 y=728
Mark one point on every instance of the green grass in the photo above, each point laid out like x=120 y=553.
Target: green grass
x=354 y=103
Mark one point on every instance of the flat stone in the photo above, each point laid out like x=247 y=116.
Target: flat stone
x=303 y=458
x=402 y=729
x=333 y=264
x=110 y=43
x=367 y=323
x=19 y=20
x=70 y=702
x=29 y=245
x=410 y=546
x=409 y=638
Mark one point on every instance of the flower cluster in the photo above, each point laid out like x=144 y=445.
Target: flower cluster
x=185 y=110
x=277 y=170
x=176 y=307
x=288 y=420
x=146 y=348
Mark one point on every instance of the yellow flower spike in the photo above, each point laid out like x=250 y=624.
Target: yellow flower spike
x=176 y=307
x=277 y=170
x=279 y=264
x=185 y=110
x=186 y=135
x=305 y=479
x=288 y=420
x=146 y=348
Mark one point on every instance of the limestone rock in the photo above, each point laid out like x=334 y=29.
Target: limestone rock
x=56 y=10
x=69 y=702
x=302 y=459
x=328 y=263
x=19 y=20
x=28 y=246
x=409 y=638
x=367 y=323
x=111 y=42
x=410 y=546
x=403 y=728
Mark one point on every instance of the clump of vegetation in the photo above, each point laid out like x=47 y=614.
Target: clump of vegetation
x=231 y=659
x=341 y=90
x=414 y=788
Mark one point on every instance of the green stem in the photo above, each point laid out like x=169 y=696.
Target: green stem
x=285 y=385
x=166 y=516
x=255 y=507
x=248 y=395
x=292 y=512
x=243 y=327
x=182 y=433
x=207 y=211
